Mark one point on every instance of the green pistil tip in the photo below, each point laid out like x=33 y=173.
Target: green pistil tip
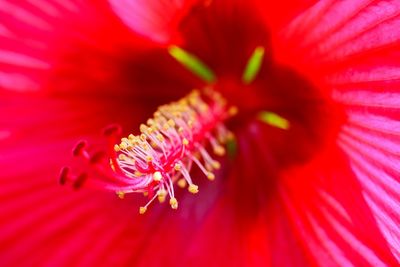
x=192 y=63
x=231 y=147
x=253 y=65
x=274 y=119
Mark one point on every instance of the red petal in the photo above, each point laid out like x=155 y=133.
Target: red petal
x=157 y=20
x=352 y=46
x=337 y=34
x=278 y=14
x=328 y=207
x=81 y=48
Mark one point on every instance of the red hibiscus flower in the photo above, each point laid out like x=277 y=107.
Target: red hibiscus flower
x=311 y=178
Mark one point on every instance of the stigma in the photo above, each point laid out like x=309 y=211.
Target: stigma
x=162 y=154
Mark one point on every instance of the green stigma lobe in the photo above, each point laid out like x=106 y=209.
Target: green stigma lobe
x=192 y=63
x=274 y=119
x=253 y=65
x=231 y=147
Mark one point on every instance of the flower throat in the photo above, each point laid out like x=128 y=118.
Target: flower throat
x=170 y=144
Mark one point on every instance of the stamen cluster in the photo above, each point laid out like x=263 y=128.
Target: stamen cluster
x=168 y=146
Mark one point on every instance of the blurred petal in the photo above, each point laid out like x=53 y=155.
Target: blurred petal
x=67 y=48
x=157 y=20
x=278 y=14
x=30 y=32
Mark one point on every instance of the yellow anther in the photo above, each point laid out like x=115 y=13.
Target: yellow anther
x=123 y=145
x=219 y=150
x=180 y=130
x=154 y=128
x=174 y=203
x=142 y=210
x=161 y=194
x=193 y=100
x=135 y=140
x=145 y=193
x=153 y=144
x=143 y=128
x=195 y=93
x=137 y=173
x=233 y=111
x=171 y=123
x=121 y=157
x=157 y=176
x=116 y=148
x=210 y=176
x=160 y=137
x=185 y=142
x=157 y=114
x=131 y=137
x=143 y=137
x=165 y=127
x=203 y=107
x=149 y=158
x=181 y=183
x=150 y=122
x=230 y=136
x=177 y=167
x=182 y=102
x=193 y=189
x=120 y=194
x=177 y=114
x=161 y=199
x=190 y=123
x=145 y=146
x=126 y=140
x=216 y=165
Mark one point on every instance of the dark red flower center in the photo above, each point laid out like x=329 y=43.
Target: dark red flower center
x=225 y=37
